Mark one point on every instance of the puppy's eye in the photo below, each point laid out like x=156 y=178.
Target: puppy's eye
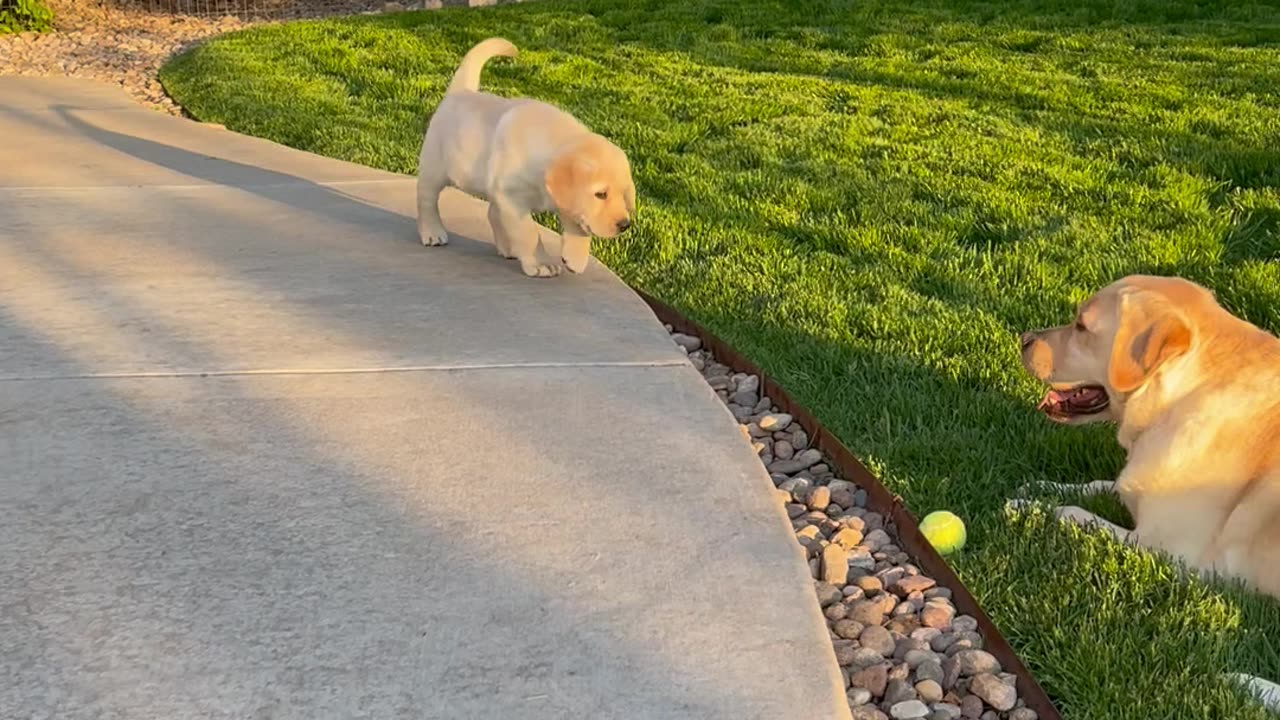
x=603 y=194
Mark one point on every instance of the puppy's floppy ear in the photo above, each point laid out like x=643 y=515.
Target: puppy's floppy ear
x=567 y=172
x=629 y=197
x=1150 y=333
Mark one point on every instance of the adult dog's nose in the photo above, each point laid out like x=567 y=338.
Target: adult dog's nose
x=1027 y=338
x=623 y=224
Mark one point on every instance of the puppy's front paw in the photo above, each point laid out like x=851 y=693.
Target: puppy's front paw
x=433 y=236
x=538 y=270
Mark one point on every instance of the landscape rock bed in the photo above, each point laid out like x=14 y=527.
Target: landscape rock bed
x=126 y=46
x=911 y=644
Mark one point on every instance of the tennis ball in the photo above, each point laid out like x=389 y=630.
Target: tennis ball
x=944 y=530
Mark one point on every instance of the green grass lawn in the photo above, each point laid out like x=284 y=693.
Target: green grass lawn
x=870 y=199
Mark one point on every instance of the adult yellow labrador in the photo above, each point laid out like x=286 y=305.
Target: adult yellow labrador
x=1195 y=394
x=522 y=155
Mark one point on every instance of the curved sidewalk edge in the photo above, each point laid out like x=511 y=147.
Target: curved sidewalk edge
x=266 y=456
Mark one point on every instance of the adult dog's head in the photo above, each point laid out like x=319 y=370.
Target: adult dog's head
x=590 y=183
x=1123 y=339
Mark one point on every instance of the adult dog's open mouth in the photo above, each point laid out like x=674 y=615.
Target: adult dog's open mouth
x=1066 y=404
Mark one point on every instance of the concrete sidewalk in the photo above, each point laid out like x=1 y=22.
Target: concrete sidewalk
x=263 y=456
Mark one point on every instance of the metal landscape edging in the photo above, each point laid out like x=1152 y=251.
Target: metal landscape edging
x=879 y=499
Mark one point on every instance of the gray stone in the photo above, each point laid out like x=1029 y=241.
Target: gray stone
x=798 y=487
x=950 y=673
x=915 y=658
x=688 y=342
x=975 y=662
x=802 y=460
x=846 y=628
x=878 y=639
x=971 y=707
x=944 y=711
x=1023 y=714
x=930 y=670
x=898 y=691
x=799 y=438
x=858 y=696
x=909 y=710
x=827 y=593
x=845 y=651
x=866 y=712
x=997 y=693
x=925 y=634
x=876 y=539
x=942 y=641
x=865 y=657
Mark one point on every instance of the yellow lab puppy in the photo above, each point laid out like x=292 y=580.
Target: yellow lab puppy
x=1195 y=395
x=522 y=155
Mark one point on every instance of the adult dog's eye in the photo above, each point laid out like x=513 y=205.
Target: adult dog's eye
x=1080 y=326
x=603 y=194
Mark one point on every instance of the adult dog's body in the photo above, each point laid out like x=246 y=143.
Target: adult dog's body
x=522 y=155
x=1195 y=394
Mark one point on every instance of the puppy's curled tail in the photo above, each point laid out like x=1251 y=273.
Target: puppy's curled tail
x=467 y=76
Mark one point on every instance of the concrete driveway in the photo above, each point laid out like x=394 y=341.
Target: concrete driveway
x=263 y=456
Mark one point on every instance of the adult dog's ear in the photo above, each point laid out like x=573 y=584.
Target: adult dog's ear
x=1150 y=333
x=566 y=174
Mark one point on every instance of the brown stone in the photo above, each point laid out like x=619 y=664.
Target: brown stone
x=873 y=678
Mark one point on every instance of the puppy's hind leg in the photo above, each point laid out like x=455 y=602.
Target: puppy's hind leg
x=501 y=242
x=431 y=182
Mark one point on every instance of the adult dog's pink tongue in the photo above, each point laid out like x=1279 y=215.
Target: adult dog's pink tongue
x=1052 y=399
x=1082 y=398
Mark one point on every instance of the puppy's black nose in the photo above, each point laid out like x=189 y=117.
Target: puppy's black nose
x=1027 y=338
x=623 y=224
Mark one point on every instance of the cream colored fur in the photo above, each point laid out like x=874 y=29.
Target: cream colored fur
x=1195 y=395
x=522 y=155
